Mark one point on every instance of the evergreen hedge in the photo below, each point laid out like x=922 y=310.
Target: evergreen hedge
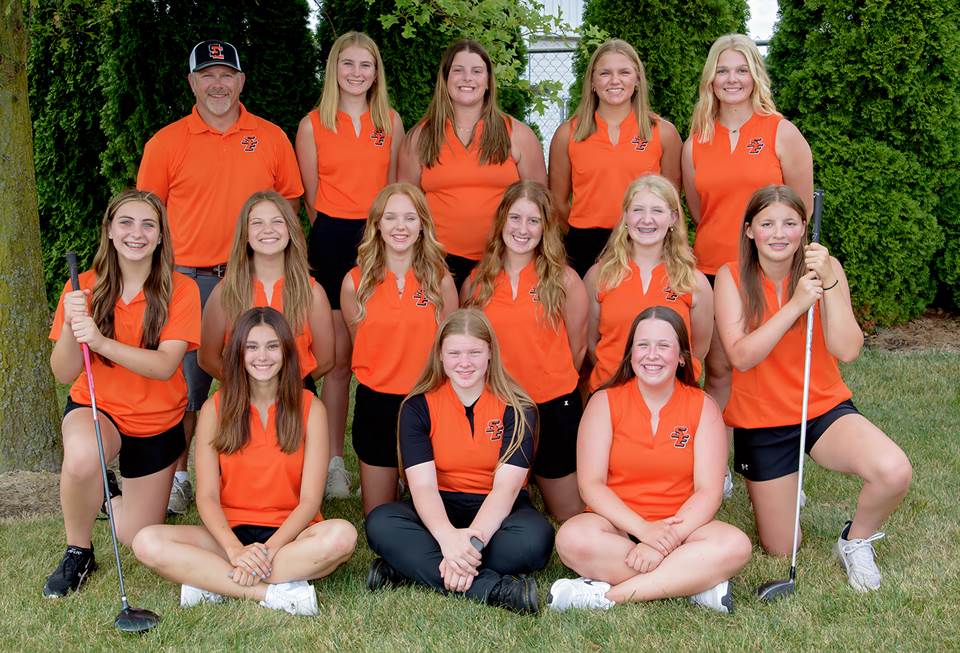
x=875 y=88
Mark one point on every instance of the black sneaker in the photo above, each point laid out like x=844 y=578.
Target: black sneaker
x=382 y=575
x=515 y=593
x=113 y=487
x=73 y=570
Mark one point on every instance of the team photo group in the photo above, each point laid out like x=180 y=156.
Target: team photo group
x=508 y=324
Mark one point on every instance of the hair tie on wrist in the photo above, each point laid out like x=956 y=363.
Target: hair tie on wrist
x=831 y=285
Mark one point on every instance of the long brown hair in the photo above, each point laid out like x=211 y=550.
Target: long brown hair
x=233 y=433
x=429 y=266
x=378 y=100
x=236 y=294
x=751 y=283
x=495 y=139
x=550 y=255
x=677 y=255
x=685 y=373
x=639 y=100
x=472 y=322
x=158 y=287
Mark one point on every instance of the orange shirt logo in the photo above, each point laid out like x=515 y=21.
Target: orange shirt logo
x=680 y=437
x=755 y=146
x=639 y=145
x=494 y=430
x=249 y=143
x=378 y=137
x=215 y=50
x=420 y=298
x=534 y=295
x=669 y=294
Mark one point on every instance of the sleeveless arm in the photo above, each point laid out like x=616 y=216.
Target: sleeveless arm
x=306 y=149
x=561 y=184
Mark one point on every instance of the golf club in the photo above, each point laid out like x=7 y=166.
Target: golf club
x=775 y=589
x=130 y=620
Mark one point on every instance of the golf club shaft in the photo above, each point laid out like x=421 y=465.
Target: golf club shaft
x=75 y=284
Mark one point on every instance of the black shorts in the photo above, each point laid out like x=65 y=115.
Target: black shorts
x=764 y=454
x=249 y=533
x=142 y=455
x=332 y=252
x=584 y=246
x=557 y=446
x=460 y=268
x=375 y=426
x=711 y=278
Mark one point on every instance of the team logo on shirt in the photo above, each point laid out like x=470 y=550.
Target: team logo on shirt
x=378 y=137
x=495 y=430
x=755 y=146
x=669 y=294
x=639 y=145
x=680 y=437
x=420 y=298
x=215 y=50
x=534 y=294
x=249 y=143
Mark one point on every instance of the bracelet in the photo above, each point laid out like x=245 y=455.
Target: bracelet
x=831 y=285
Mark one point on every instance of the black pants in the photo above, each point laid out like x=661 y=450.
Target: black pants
x=584 y=246
x=522 y=544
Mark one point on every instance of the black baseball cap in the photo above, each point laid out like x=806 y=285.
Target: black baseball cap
x=213 y=53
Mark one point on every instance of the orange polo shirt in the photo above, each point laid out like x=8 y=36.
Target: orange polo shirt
x=771 y=393
x=352 y=168
x=652 y=473
x=260 y=484
x=303 y=339
x=618 y=308
x=601 y=171
x=464 y=442
x=463 y=195
x=535 y=354
x=394 y=339
x=726 y=180
x=139 y=406
x=204 y=177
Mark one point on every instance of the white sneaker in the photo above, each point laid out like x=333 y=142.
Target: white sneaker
x=728 y=484
x=719 y=598
x=297 y=597
x=857 y=558
x=338 y=481
x=569 y=593
x=181 y=494
x=191 y=596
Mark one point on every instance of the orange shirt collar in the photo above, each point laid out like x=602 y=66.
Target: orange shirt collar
x=198 y=126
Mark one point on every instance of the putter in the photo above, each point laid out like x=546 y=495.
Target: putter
x=775 y=589
x=130 y=620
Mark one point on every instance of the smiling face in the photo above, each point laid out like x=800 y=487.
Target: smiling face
x=400 y=223
x=614 y=79
x=647 y=218
x=465 y=360
x=267 y=231
x=356 y=70
x=655 y=353
x=777 y=231
x=135 y=230
x=217 y=90
x=468 y=79
x=262 y=353
x=523 y=228
x=732 y=81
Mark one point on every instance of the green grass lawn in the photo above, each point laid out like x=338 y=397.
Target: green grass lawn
x=914 y=397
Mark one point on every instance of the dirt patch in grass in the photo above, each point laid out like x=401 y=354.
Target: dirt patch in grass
x=29 y=493
x=935 y=329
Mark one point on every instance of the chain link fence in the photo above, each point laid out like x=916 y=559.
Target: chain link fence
x=551 y=61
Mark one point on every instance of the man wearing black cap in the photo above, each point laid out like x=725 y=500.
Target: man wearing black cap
x=204 y=167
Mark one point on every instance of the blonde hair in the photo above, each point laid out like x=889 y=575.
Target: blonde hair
x=550 y=255
x=495 y=139
x=472 y=322
x=236 y=294
x=429 y=266
x=614 y=260
x=378 y=99
x=586 y=125
x=707 y=107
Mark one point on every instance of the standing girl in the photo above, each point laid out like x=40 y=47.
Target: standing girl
x=761 y=304
x=261 y=459
x=612 y=139
x=392 y=302
x=347 y=149
x=538 y=307
x=139 y=318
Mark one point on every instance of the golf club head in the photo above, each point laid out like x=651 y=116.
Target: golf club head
x=136 y=620
x=776 y=589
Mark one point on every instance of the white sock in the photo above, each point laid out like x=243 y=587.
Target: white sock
x=181 y=476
